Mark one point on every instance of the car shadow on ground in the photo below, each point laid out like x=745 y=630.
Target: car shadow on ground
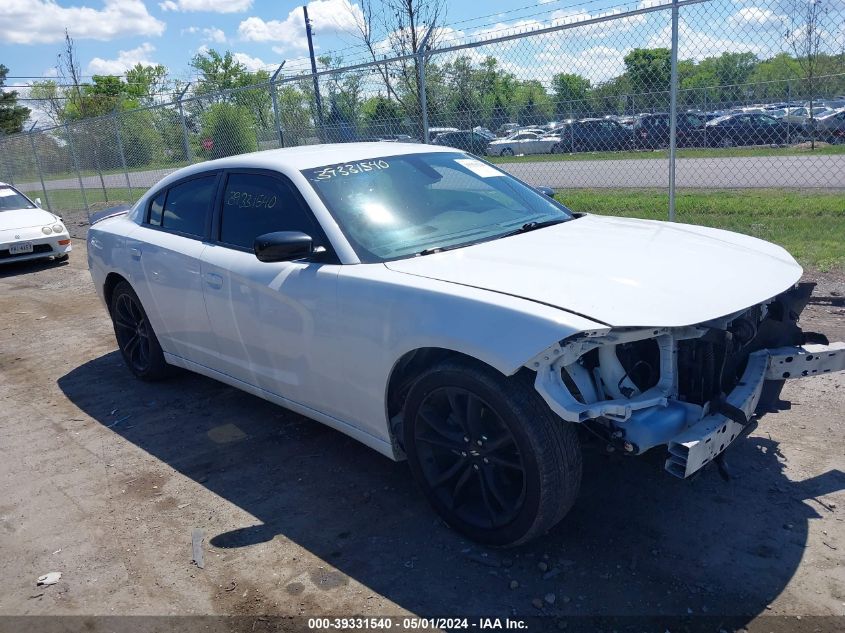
x=13 y=268
x=638 y=542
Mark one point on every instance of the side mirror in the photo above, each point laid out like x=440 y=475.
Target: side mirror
x=546 y=191
x=38 y=201
x=283 y=246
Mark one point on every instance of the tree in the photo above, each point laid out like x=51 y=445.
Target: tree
x=804 y=34
x=649 y=71
x=221 y=78
x=230 y=128
x=12 y=115
x=571 y=92
x=405 y=23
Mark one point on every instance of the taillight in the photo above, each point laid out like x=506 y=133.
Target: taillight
x=63 y=242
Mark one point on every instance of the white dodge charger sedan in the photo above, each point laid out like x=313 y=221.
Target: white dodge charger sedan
x=28 y=231
x=437 y=309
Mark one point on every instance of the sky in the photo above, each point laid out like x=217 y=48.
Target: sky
x=113 y=35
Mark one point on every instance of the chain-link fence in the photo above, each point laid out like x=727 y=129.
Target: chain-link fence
x=639 y=109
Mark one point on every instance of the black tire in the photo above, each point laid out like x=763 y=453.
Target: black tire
x=136 y=339
x=61 y=258
x=509 y=491
x=726 y=142
x=506 y=152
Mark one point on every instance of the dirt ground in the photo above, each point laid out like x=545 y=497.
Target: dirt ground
x=103 y=478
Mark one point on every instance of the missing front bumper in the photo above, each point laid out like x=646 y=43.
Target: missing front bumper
x=699 y=444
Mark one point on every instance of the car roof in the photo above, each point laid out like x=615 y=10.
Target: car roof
x=308 y=156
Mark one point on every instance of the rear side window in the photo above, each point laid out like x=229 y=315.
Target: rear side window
x=156 y=207
x=255 y=204
x=188 y=205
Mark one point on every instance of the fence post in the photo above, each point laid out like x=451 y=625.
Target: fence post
x=186 y=144
x=788 y=108
x=78 y=173
x=122 y=155
x=421 y=55
x=8 y=167
x=275 y=101
x=31 y=134
x=673 y=110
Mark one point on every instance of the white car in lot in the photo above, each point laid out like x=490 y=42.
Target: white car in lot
x=437 y=309
x=27 y=231
x=523 y=143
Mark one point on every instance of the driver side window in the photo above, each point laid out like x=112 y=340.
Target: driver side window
x=255 y=204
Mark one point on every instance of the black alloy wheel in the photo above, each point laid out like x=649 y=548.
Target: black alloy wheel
x=469 y=457
x=136 y=339
x=491 y=457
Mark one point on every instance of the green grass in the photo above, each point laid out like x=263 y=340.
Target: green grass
x=64 y=200
x=823 y=150
x=810 y=225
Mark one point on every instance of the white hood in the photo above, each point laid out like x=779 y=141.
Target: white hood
x=622 y=272
x=25 y=218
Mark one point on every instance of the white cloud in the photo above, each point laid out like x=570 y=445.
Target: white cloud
x=252 y=64
x=212 y=6
x=124 y=61
x=756 y=18
x=210 y=34
x=44 y=21
x=327 y=16
x=698 y=44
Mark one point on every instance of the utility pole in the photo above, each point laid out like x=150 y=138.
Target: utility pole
x=317 y=100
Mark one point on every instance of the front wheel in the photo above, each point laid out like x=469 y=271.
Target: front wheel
x=507 y=152
x=136 y=339
x=488 y=453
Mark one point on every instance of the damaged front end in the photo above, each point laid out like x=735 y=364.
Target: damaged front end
x=694 y=389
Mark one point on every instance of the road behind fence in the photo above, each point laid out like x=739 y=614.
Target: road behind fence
x=625 y=94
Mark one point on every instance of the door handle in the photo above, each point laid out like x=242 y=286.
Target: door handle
x=213 y=280
x=135 y=253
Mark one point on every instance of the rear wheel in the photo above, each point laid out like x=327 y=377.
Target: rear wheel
x=726 y=141
x=489 y=454
x=135 y=336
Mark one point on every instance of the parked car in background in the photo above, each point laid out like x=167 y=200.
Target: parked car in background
x=434 y=132
x=799 y=115
x=651 y=131
x=828 y=127
x=484 y=132
x=27 y=231
x=748 y=129
x=439 y=310
x=464 y=140
x=592 y=135
x=522 y=142
x=506 y=129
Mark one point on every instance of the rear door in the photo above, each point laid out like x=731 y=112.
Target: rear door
x=164 y=253
x=273 y=321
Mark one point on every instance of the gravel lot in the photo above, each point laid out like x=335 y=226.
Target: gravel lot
x=103 y=478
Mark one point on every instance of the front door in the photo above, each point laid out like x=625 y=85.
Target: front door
x=273 y=321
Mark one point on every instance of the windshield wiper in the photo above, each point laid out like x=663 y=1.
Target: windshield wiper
x=438 y=249
x=525 y=228
x=533 y=226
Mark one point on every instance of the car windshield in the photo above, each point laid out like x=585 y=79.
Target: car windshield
x=11 y=200
x=398 y=206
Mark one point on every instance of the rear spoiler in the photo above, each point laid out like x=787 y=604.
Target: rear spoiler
x=109 y=213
